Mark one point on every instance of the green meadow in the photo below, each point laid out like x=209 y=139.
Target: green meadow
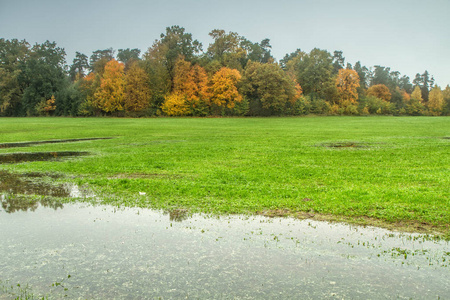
x=387 y=171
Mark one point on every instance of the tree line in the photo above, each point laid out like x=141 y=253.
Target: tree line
x=232 y=77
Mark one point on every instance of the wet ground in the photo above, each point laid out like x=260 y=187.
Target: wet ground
x=74 y=250
x=102 y=252
x=37 y=156
x=27 y=144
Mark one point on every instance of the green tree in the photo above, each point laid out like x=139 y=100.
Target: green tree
x=338 y=61
x=99 y=59
x=43 y=75
x=13 y=54
x=425 y=83
x=314 y=74
x=269 y=89
x=78 y=67
x=128 y=56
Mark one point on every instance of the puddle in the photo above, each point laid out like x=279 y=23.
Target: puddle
x=27 y=192
x=102 y=252
x=27 y=184
x=37 y=156
x=345 y=145
x=27 y=144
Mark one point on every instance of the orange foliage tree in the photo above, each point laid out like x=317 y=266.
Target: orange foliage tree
x=191 y=81
x=347 y=82
x=137 y=91
x=223 y=89
x=380 y=91
x=110 y=95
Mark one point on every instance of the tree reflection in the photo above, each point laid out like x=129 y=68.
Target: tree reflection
x=13 y=203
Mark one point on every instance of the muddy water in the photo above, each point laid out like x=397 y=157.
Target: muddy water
x=28 y=144
x=140 y=254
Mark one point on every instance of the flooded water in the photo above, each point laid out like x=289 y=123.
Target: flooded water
x=9 y=158
x=28 y=144
x=102 y=252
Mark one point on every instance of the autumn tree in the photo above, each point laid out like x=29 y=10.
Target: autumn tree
x=436 y=101
x=191 y=81
x=137 y=94
x=347 y=82
x=415 y=105
x=417 y=94
x=175 y=104
x=380 y=91
x=446 y=94
x=223 y=88
x=110 y=95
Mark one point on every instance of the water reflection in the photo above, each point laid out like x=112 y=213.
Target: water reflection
x=141 y=254
x=26 y=192
x=178 y=215
x=28 y=144
x=31 y=183
x=13 y=203
x=8 y=158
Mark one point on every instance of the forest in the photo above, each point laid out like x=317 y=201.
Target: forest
x=231 y=77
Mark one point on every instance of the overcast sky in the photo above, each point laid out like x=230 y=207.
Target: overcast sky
x=407 y=36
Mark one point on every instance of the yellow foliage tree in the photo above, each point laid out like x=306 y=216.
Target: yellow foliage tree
x=347 y=82
x=190 y=81
x=223 y=88
x=175 y=104
x=417 y=94
x=110 y=95
x=137 y=91
x=380 y=91
x=436 y=101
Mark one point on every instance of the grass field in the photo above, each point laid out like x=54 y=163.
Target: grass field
x=388 y=171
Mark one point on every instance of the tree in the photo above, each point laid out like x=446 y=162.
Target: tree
x=43 y=75
x=257 y=52
x=338 y=61
x=223 y=88
x=110 y=95
x=269 y=88
x=446 y=94
x=425 y=83
x=79 y=65
x=314 y=73
x=137 y=95
x=128 y=56
x=191 y=81
x=175 y=104
x=436 y=101
x=13 y=54
x=417 y=94
x=347 y=82
x=99 y=59
x=380 y=91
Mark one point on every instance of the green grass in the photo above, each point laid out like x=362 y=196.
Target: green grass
x=400 y=174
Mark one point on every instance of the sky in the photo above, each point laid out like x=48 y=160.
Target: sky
x=409 y=36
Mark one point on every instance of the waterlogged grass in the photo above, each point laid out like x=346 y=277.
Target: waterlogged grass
x=376 y=170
